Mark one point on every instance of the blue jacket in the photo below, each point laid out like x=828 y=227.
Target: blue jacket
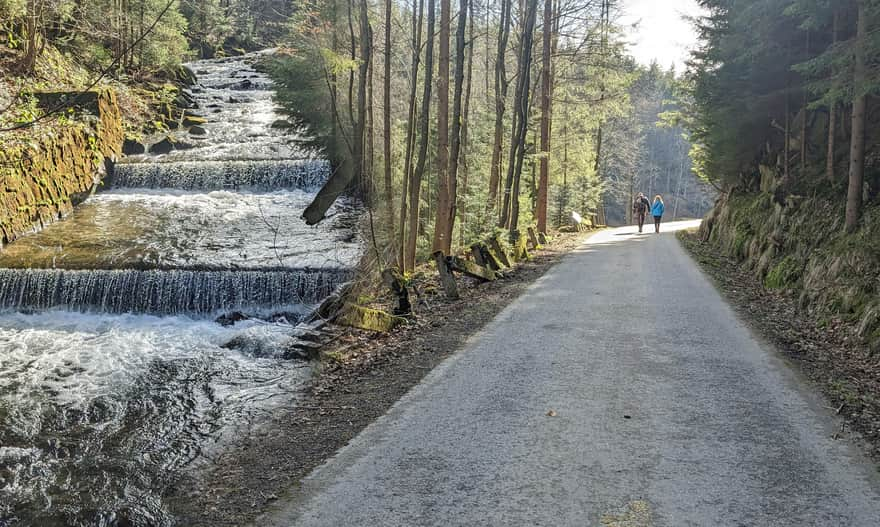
x=657 y=208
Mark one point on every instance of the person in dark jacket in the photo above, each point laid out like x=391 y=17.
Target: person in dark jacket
x=640 y=209
x=657 y=211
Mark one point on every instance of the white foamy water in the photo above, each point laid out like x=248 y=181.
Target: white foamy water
x=88 y=399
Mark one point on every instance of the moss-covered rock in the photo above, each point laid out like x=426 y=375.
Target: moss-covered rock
x=368 y=319
x=164 y=146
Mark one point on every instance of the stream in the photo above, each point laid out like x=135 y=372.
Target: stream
x=115 y=376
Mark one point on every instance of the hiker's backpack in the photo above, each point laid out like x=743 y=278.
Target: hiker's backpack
x=639 y=205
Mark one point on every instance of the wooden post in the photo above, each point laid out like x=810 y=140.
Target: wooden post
x=470 y=269
x=520 y=250
x=395 y=283
x=447 y=279
x=502 y=255
x=490 y=259
x=479 y=257
x=533 y=238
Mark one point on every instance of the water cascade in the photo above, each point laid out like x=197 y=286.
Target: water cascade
x=305 y=174
x=164 y=292
x=114 y=376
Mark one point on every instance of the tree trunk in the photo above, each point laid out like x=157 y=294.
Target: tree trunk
x=804 y=120
x=857 y=145
x=386 y=122
x=501 y=86
x=415 y=187
x=832 y=111
x=543 y=181
x=452 y=186
x=410 y=127
x=370 y=139
x=340 y=181
x=352 y=56
x=786 y=149
x=510 y=206
x=444 y=199
x=465 y=127
x=360 y=132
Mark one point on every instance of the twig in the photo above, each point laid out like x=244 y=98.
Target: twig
x=326 y=407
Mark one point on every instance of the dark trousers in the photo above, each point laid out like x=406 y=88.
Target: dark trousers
x=640 y=217
x=657 y=223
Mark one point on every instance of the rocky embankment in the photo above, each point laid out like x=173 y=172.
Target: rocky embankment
x=800 y=247
x=51 y=171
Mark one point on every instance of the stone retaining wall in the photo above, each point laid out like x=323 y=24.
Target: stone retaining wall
x=45 y=174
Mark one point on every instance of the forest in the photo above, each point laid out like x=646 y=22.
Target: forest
x=782 y=112
x=485 y=116
x=450 y=121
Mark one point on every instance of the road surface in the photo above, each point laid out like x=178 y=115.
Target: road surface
x=665 y=410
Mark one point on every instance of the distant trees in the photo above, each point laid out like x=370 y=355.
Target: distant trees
x=102 y=32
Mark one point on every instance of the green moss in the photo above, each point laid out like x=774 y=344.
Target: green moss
x=783 y=274
x=368 y=319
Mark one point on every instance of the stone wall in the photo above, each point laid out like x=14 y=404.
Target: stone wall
x=49 y=171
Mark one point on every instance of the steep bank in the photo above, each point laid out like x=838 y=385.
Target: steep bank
x=800 y=247
x=47 y=173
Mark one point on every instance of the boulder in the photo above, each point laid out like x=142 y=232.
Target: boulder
x=197 y=130
x=228 y=319
x=170 y=123
x=281 y=124
x=192 y=120
x=164 y=146
x=186 y=75
x=130 y=147
x=183 y=145
x=369 y=319
x=184 y=100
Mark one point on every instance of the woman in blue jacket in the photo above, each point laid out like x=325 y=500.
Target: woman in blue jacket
x=657 y=211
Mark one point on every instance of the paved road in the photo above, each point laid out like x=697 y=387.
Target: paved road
x=668 y=412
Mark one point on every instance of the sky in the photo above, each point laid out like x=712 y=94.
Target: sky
x=662 y=33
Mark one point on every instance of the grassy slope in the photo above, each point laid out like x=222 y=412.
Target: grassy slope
x=801 y=248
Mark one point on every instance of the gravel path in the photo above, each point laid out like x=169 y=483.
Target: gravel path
x=619 y=390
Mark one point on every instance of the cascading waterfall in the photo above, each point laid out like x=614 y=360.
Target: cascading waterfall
x=164 y=292
x=305 y=174
x=114 y=375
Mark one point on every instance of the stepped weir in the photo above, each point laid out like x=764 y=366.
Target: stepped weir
x=114 y=375
x=170 y=292
x=304 y=174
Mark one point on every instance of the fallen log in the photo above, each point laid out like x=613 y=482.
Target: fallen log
x=331 y=305
x=477 y=253
x=447 y=279
x=470 y=269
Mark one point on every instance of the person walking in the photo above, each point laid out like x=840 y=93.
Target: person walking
x=657 y=211
x=640 y=209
